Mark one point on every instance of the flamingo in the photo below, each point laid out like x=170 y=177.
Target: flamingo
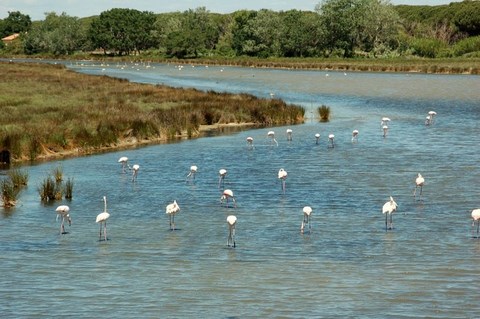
x=228 y=193
x=171 y=210
x=289 y=134
x=354 y=136
x=63 y=210
x=193 y=171
x=271 y=134
x=432 y=114
x=419 y=182
x=476 y=218
x=250 y=142
x=388 y=209
x=282 y=175
x=385 y=131
x=331 y=138
x=307 y=211
x=428 y=120
x=317 y=137
x=124 y=161
x=102 y=219
x=231 y=221
x=385 y=121
x=135 y=169
x=223 y=173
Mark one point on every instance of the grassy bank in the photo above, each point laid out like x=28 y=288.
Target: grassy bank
x=47 y=110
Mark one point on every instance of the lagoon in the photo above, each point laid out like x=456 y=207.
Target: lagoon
x=347 y=266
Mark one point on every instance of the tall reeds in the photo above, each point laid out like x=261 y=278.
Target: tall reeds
x=53 y=186
x=324 y=113
x=11 y=186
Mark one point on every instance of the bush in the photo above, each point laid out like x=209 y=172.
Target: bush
x=428 y=48
x=324 y=113
x=467 y=46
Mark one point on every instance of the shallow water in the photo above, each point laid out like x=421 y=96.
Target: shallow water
x=347 y=266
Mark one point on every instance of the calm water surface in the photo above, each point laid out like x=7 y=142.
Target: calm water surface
x=348 y=266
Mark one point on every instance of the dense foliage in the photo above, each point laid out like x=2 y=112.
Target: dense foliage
x=335 y=28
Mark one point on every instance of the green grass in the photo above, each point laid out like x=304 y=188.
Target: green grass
x=47 y=109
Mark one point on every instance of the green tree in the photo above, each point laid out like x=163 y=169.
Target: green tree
x=241 y=31
x=123 y=31
x=16 y=22
x=57 y=34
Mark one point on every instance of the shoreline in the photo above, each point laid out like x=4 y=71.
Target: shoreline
x=131 y=143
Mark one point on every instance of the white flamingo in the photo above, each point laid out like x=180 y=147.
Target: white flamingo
x=354 y=136
x=271 y=134
x=317 y=138
x=282 y=175
x=385 y=130
x=171 y=210
x=331 y=138
x=135 y=169
x=388 y=209
x=428 y=120
x=419 y=182
x=250 y=142
x=102 y=219
x=385 y=121
x=307 y=212
x=124 y=161
x=432 y=115
x=223 y=173
x=289 y=134
x=476 y=219
x=231 y=222
x=226 y=195
x=64 y=212
x=193 y=172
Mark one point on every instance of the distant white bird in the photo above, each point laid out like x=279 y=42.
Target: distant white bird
x=271 y=134
x=317 y=137
x=354 y=136
x=432 y=115
x=226 y=195
x=331 y=138
x=385 y=131
x=307 y=212
x=388 y=209
x=428 y=120
x=63 y=211
x=223 y=173
x=282 y=175
x=289 y=134
x=250 y=142
x=231 y=222
x=385 y=121
x=171 y=210
x=192 y=173
x=419 y=182
x=476 y=219
x=135 y=169
x=102 y=219
x=124 y=161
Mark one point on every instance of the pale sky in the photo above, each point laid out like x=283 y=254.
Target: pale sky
x=84 y=8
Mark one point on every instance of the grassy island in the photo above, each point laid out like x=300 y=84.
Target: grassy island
x=48 y=111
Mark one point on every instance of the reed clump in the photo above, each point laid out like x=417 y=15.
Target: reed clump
x=54 y=188
x=324 y=113
x=50 y=109
x=11 y=186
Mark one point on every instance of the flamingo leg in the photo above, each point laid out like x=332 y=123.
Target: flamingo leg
x=391 y=221
x=386 y=222
x=233 y=237
x=478 y=226
x=105 y=231
x=100 y=236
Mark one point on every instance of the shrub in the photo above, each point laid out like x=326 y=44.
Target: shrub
x=467 y=45
x=9 y=193
x=428 y=48
x=18 y=177
x=69 y=188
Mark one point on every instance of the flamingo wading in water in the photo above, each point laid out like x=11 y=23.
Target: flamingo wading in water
x=192 y=173
x=307 y=212
x=355 y=136
x=223 y=173
x=171 y=210
x=102 y=219
x=250 y=142
x=271 y=134
x=231 y=222
x=331 y=138
x=64 y=212
x=419 y=182
x=228 y=193
x=135 y=169
x=124 y=161
x=388 y=209
x=289 y=134
x=476 y=219
x=282 y=175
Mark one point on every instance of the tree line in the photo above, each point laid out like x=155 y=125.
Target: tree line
x=335 y=28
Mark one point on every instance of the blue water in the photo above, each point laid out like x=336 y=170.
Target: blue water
x=348 y=266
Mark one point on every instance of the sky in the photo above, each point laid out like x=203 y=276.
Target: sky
x=36 y=9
